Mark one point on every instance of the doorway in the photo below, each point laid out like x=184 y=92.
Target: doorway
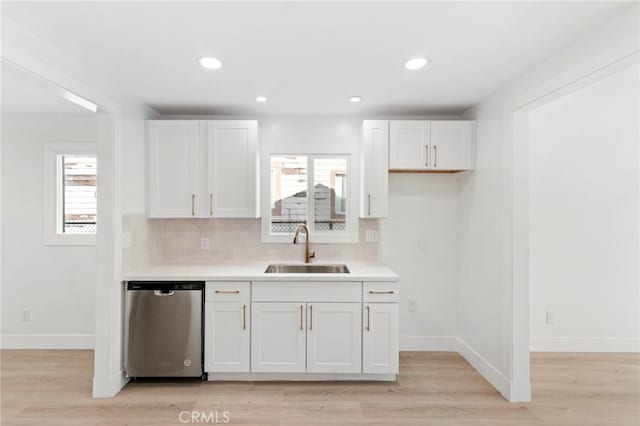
x=584 y=88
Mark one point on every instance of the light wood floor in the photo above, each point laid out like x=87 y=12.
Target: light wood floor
x=54 y=388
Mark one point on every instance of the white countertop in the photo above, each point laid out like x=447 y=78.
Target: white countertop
x=254 y=271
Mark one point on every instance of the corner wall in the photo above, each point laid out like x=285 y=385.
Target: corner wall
x=584 y=218
x=493 y=320
x=54 y=286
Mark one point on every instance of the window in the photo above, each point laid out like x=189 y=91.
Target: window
x=310 y=189
x=70 y=194
x=78 y=203
x=340 y=201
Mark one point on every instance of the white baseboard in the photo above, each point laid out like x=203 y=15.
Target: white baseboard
x=583 y=344
x=429 y=343
x=485 y=368
x=110 y=387
x=47 y=341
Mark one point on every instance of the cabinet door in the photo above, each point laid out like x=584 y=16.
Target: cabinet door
x=380 y=338
x=375 y=169
x=278 y=337
x=227 y=337
x=409 y=145
x=232 y=168
x=451 y=143
x=334 y=336
x=173 y=168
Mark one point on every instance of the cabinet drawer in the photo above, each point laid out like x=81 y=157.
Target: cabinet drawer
x=385 y=292
x=307 y=292
x=227 y=291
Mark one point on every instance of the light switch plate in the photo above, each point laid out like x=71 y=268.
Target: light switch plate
x=204 y=243
x=127 y=240
x=371 y=236
x=422 y=244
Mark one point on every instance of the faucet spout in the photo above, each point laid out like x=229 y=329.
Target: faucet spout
x=307 y=255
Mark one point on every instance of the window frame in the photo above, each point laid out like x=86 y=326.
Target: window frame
x=348 y=236
x=53 y=194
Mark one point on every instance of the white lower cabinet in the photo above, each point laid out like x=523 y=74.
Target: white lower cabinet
x=227 y=344
x=278 y=338
x=334 y=338
x=315 y=328
x=380 y=338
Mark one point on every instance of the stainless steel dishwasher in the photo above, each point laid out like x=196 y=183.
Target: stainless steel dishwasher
x=163 y=329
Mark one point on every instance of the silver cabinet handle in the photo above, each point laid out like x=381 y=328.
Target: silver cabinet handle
x=380 y=292
x=311 y=318
x=369 y=197
x=244 y=317
x=227 y=291
x=163 y=293
x=210 y=204
x=435 y=156
x=426 y=160
x=193 y=204
x=368 y=318
x=301 y=307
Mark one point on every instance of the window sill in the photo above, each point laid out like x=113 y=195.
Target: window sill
x=351 y=238
x=70 y=240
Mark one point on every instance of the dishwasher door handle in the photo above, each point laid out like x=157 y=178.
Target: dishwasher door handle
x=164 y=293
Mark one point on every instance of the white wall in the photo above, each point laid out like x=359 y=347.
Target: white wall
x=56 y=284
x=418 y=241
x=584 y=218
x=421 y=207
x=487 y=317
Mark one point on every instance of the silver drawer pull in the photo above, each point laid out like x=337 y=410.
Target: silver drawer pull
x=381 y=292
x=228 y=291
x=164 y=292
x=244 y=317
x=368 y=318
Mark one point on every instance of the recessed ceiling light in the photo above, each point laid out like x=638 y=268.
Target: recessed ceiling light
x=261 y=99
x=355 y=99
x=211 y=63
x=416 y=63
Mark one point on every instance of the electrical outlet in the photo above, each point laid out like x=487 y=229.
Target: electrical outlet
x=204 y=243
x=413 y=305
x=25 y=315
x=371 y=236
x=549 y=317
x=422 y=244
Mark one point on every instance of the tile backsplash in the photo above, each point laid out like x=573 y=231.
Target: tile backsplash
x=157 y=241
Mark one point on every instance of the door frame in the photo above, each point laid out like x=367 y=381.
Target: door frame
x=109 y=375
x=516 y=206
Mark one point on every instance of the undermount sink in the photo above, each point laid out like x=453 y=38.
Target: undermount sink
x=307 y=269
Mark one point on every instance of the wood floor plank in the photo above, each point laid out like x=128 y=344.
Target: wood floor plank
x=54 y=388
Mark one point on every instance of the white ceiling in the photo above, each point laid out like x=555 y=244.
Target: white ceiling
x=308 y=58
x=22 y=91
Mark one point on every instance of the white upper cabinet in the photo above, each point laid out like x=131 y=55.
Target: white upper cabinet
x=409 y=145
x=173 y=168
x=232 y=147
x=440 y=145
x=203 y=168
x=451 y=143
x=374 y=169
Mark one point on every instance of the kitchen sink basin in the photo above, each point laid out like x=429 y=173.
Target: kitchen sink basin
x=307 y=269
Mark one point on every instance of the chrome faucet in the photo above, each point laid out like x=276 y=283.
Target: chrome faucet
x=307 y=256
